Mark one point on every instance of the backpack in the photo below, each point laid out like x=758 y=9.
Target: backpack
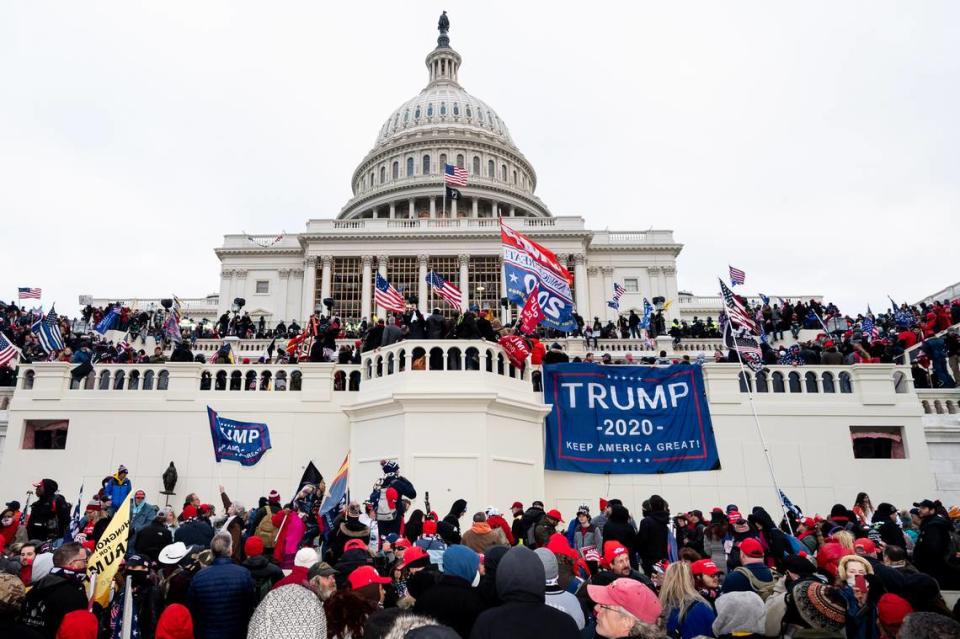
x=953 y=547
x=762 y=588
x=386 y=512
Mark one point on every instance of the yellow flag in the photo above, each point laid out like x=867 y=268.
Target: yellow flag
x=109 y=552
x=667 y=305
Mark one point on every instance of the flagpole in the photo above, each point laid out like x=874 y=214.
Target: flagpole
x=756 y=420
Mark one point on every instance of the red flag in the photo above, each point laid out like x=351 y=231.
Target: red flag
x=516 y=349
x=531 y=314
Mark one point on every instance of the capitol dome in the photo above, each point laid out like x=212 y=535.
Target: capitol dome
x=402 y=176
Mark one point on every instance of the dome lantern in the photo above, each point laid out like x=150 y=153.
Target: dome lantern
x=443 y=62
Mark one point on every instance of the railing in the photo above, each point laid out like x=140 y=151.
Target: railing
x=442 y=224
x=418 y=357
x=251 y=378
x=819 y=380
x=6 y=394
x=914 y=351
x=940 y=401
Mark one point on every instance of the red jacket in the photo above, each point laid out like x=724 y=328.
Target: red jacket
x=537 y=351
x=496 y=521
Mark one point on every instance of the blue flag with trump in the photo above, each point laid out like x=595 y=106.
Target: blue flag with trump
x=528 y=265
x=244 y=442
x=109 y=321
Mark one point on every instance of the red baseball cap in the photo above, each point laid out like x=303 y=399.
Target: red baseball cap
x=139 y=493
x=189 y=512
x=364 y=576
x=516 y=504
x=414 y=553
x=612 y=550
x=734 y=516
x=555 y=514
x=751 y=548
x=704 y=567
x=629 y=594
x=354 y=544
x=429 y=527
x=403 y=542
x=866 y=545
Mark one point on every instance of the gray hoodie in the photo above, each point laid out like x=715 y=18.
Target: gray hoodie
x=557 y=597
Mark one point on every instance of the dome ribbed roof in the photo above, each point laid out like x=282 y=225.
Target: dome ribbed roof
x=445 y=105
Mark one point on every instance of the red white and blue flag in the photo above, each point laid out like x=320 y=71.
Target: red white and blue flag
x=737 y=276
x=24 y=293
x=8 y=352
x=532 y=313
x=388 y=297
x=526 y=265
x=454 y=175
x=445 y=289
x=337 y=491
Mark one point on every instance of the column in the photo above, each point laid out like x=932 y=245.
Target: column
x=325 y=276
x=240 y=285
x=365 y=289
x=433 y=207
x=512 y=211
x=596 y=297
x=653 y=275
x=465 y=281
x=297 y=274
x=226 y=290
x=411 y=212
x=476 y=207
x=608 y=286
x=494 y=208
x=308 y=294
x=281 y=311
x=670 y=292
x=580 y=289
x=422 y=283
x=453 y=208
x=393 y=210
x=382 y=270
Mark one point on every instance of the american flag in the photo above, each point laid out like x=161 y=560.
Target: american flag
x=387 y=296
x=445 y=289
x=47 y=331
x=736 y=311
x=454 y=175
x=7 y=350
x=869 y=328
x=618 y=290
x=737 y=276
x=28 y=293
x=743 y=342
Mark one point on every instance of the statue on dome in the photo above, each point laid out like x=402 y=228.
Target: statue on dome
x=443 y=26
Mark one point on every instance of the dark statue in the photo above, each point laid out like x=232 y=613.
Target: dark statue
x=169 y=479
x=444 y=24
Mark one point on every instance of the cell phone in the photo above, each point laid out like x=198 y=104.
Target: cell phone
x=860 y=583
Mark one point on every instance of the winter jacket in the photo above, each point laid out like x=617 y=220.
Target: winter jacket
x=197 y=532
x=221 y=599
x=586 y=537
x=521 y=586
x=558 y=598
x=497 y=521
x=116 y=491
x=152 y=538
x=453 y=602
x=738 y=582
x=697 y=621
x=618 y=528
x=933 y=544
x=291 y=612
x=50 y=600
x=140 y=517
x=543 y=531
x=49 y=515
x=651 y=542
x=435 y=328
x=531 y=517
x=263 y=572
x=481 y=537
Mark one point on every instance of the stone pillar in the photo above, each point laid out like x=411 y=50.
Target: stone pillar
x=226 y=290
x=580 y=287
x=382 y=261
x=512 y=211
x=308 y=298
x=653 y=274
x=422 y=282
x=494 y=208
x=608 y=286
x=325 y=277
x=433 y=207
x=464 y=281
x=239 y=284
x=670 y=292
x=281 y=312
x=393 y=210
x=365 y=287
x=453 y=207
x=476 y=207
x=596 y=297
x=411 y=211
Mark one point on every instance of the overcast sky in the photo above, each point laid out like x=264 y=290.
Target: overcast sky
x=814 y=146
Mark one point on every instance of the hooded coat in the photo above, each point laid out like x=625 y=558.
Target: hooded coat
x=49 y=515
x=49 y=601
x=651 y=541
x=449 y=527
x=453 y=601
x=521 y=586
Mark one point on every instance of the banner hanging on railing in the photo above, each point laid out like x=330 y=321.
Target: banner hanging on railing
x=628 y=419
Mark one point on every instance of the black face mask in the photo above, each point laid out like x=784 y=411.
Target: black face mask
x=138 y=577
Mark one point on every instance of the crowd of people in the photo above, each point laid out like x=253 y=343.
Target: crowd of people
x=841 y=339
x=288 y=568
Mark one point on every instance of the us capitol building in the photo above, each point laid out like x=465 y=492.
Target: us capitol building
x=398 y=223
x=457 y=431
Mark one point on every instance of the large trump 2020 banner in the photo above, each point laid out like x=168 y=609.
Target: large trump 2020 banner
x=628 y=419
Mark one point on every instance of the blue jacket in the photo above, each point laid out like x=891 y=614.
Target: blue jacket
x=221 y=599
x=697 y=622
x=195 y=532
x=140 y=518
x=117 y=491
x=738 y=582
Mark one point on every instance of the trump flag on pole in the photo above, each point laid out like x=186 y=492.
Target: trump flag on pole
x=244 y=442
x=526 y=265
x=532 y=313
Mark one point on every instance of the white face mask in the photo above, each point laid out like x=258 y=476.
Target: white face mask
x=6 y=521
x=476 y=580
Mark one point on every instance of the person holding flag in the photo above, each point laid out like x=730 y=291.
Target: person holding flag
x=387 y=497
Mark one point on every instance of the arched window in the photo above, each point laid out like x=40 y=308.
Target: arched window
x=280 y=383
x=793 y=379
x=396 y=170
x=163 y=380
x=456 y=108
x=514 y=177
x=778 y=386
x=296 y=380
x=148 y=380
x=443 y=108
x=409 y=167
x=846 y=384
x=744 y=382
x=762 y=382
x=371 y=179
x=430 y=110
x=503 y=172
x=383 y=174
x=443 y=161
x=426 y=165
x=406 y=117
x=476 y=165
x=828 y=385
x=490 y=169
x=460 y=160
x=134 y=382
x=118 y=380
x=810 y=380
x=363 y=183
x=416 y=114
x=469 y=112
